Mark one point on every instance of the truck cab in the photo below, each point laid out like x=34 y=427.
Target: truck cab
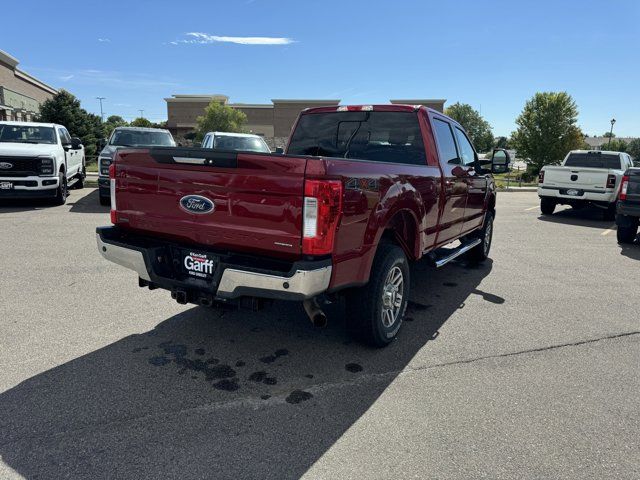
x=39 y=160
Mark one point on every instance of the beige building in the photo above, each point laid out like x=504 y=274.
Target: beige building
x=20 y=93
x=272 y=121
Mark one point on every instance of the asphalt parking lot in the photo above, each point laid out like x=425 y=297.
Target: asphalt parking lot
x=525 y=367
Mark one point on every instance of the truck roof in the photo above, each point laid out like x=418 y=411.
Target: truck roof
x=32 y=124
x=142 y=129
x=607 y=152
x=375 y=107
x=231 y=134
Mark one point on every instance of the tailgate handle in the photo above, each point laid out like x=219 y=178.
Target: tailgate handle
x=194 y=156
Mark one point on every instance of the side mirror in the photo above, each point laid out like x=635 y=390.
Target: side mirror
x=500 y=160
x=76 y=143
x=101 y=144
x=279 y=150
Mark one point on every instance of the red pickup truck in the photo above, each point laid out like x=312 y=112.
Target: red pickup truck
x=359 y=192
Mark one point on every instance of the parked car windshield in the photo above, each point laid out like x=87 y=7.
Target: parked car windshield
x=26 y=134
x=250 y=144
x=593 y=160
x=141 y=138
x=377 y=136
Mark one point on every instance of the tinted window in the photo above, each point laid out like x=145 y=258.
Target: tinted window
x=247 y=144
x=593 y=160
x=467 y=153
x=377 y=136
x=23 y=134
x=445 y=141
x=65 y=138
x=141 y=138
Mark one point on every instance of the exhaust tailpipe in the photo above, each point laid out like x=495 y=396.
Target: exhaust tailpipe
x=315 y=313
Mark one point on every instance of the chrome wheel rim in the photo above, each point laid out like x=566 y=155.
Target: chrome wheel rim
x=488 y=232
x=392 y=295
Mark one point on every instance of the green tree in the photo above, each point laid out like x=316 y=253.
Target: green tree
x=477 y=128
x=616 y=145
x=547 y=129
x=609 y=134
x=633 y=148
x=112 y=122
x=220 y=118
x=65 y=109
x=501 y=142
x=141 y=122
x=162 y=124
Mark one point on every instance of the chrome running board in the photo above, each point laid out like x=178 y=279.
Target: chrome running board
x=457 y=252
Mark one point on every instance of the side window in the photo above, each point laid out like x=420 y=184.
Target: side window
x=446 y=143
x=64 y=136
x=467 y=153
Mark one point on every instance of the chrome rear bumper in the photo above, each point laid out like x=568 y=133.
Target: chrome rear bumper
x=305 y=280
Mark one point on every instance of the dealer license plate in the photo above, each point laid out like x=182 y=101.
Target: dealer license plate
x=199 y=265
x=6 y=185
x=573 y=192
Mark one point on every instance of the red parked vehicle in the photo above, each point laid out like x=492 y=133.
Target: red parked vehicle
x=360 y=192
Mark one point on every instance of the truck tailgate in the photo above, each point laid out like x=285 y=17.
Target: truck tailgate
x=576 y=177
x=257 y=198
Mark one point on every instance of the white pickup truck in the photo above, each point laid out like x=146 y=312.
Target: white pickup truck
x=39 y=160
x=586 y=177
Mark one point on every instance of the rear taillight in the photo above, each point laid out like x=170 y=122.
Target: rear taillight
x=624 y=185
x=541 y=176
x=611 y=181
x=320 y=216
x=112 y=191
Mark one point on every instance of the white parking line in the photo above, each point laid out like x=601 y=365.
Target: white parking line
x=531 y=208
x=607 y=231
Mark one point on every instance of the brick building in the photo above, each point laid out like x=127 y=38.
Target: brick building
x=20 y=93
x=273 y=121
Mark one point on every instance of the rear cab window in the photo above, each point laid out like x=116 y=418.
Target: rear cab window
x=393 y=137
x=593 y=160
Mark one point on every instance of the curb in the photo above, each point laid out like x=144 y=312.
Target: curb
x=518 y=189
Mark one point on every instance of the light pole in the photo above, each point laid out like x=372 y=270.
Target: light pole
x=613 y=120
x=141 y=113
x=101 y=114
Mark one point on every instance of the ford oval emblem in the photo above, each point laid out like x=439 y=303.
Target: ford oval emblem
x=197 y=204
x=6 y=165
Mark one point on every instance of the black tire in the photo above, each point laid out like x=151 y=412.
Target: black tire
x=105 y=201
x=61 y=192
x=627 y=233
x=365 y=306
x=547 y=205
x=480 y=252
x=610 y=213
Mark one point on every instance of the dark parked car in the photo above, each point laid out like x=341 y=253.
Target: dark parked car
x=628 y=211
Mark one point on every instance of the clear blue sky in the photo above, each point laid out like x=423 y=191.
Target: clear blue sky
x=493 y=55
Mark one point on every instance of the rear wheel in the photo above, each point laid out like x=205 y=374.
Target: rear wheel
x=375 y=311
x=480 y=252
x=627 y=233
x=105 y=201
x=61 y=191
x=547 y=205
